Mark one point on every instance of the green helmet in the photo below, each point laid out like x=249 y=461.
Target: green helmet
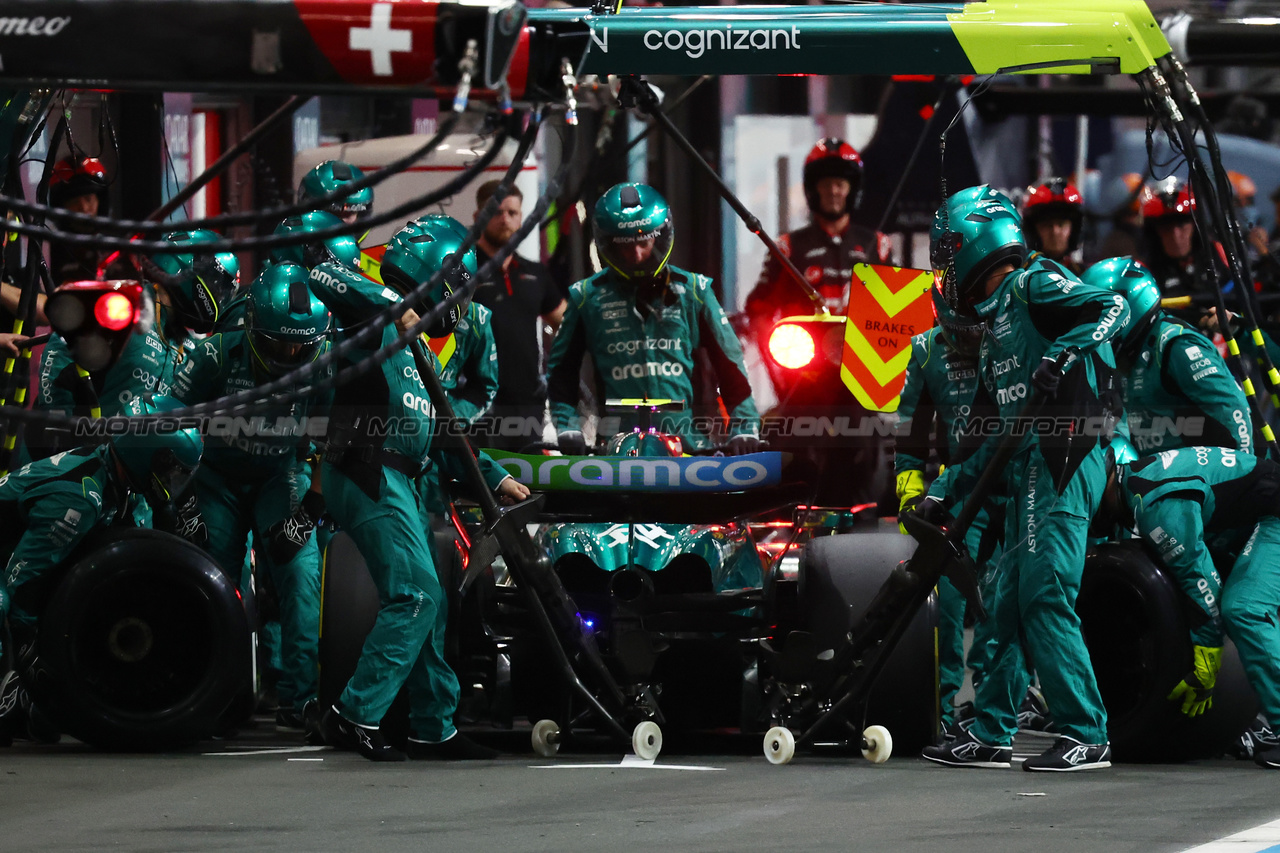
x=159 y=460
x=1132 y=280
x=343 y=249
x=628 y=214
x=645 y=444
x=974 y=231
x=962 y=333
x=417 y=251
x=329 y=177
x=198 y=283
x=287 y=324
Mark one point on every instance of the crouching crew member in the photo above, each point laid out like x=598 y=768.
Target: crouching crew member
x=259 y=482
x=1184 y=503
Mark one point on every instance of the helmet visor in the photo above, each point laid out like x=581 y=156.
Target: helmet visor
x=169 y=476
x=636 y=255
x=279 y=355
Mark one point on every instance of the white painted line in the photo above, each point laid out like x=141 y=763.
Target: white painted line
x=281 y=751
x=629 y=762
x=1259 y=839
x=304 y=759
x=1020 y=793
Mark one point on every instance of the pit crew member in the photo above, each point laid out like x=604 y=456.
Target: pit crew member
x=259 y=483
x=642 y=320
x=1177 y=388
x=824 y=250
x=1185 y=503
x=51 y=505
x=941 y=380
x=190 y=290
x=1052 y=216
x=370 y=486
x=1048 y=334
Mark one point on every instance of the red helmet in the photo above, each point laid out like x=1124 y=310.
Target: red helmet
x=1054 y=199
x=1169 y=202
x=71 y=179
x=1137 y=193
x=832 y=158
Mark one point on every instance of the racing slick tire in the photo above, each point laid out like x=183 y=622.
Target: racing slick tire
x=1135 y=623
x=839 y=576
x=143 y=645
x=349 y=606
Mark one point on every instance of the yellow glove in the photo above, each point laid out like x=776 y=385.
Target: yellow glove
x=1196 y=689
x=910 y=490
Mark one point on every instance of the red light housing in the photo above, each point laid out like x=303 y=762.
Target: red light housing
x=792 y=346
x=96 y=318
x=114 y=311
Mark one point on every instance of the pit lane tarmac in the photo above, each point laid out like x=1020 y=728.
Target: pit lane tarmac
x=266 y=791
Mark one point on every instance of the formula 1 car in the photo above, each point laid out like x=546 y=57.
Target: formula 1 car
x=704 y=620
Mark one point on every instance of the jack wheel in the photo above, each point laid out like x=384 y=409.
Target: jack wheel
x=877 y=744
x=779 y=745
x=546 y=738
x=646 y=740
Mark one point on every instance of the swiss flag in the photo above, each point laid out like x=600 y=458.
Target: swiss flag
x=378 y=41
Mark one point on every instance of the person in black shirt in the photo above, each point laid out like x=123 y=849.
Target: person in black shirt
x=521 y=299
x=826 y=249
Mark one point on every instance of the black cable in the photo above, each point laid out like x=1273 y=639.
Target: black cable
x=1162 y=102
x=288 y=387
x=227 y=220
x=154 y=247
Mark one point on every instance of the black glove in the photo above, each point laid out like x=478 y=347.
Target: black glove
x=189 y=524
x=1047 y=377
x=286 y=538
x=928 y=511
x=572 y=443
x=931 y=510
x=744 y=443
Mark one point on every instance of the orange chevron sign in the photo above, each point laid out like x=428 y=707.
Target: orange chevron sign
x=371 y=265
x=371 y=261
x=887 y=306
x=443 y=347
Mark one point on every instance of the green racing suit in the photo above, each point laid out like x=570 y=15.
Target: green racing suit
x=253 y=476
x=1055 y=481
x=379 y=439
x=49 y=507
x=1179 y=392
x=1180 y=498
x=938 y=393
x=645 y=348
x=469 y=375
x=147 y=364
